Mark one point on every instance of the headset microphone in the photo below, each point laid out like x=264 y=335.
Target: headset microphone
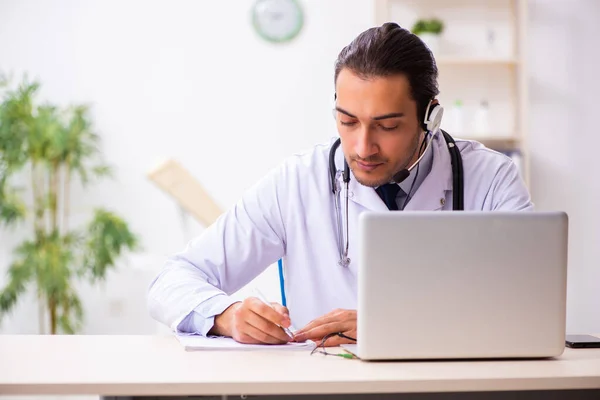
x=404 y=173
x=399 y=177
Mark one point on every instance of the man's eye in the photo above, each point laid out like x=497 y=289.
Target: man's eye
x=348 y=123
x=389 y=128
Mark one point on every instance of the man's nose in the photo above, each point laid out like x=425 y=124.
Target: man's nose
x=365 y=147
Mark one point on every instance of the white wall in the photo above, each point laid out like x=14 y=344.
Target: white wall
x=184 y=79
x=564 y=65
x=190 y=80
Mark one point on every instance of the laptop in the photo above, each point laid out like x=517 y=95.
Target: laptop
x=461 y=285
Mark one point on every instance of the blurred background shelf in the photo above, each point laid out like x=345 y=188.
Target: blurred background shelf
x=498 y=143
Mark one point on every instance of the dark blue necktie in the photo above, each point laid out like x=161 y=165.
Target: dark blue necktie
x=388 y=194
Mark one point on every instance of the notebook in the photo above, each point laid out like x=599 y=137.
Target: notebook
x=196 y=342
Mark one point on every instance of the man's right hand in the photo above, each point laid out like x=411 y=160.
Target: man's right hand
x=252 y=321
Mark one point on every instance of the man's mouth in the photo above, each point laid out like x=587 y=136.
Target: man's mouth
x=367 y=166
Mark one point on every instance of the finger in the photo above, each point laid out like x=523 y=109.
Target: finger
x=262 y=336
x=242 y=337
x=281 y=309
x=333 y=316
x=336 y=341
x=264 y=310
x=267 y=327
x=321 y=331
x=325 y=319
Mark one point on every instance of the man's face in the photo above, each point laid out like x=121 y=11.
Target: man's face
x=378 y=126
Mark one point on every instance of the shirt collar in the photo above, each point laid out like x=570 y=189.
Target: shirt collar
x=419 y=172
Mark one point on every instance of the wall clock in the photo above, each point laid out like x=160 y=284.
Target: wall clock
x=277 y=20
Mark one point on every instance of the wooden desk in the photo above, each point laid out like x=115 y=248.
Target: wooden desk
x=158 y=365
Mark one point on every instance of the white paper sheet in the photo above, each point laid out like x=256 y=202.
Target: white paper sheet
x=196 y=342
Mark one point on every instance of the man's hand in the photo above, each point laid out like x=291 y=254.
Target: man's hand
x=253 y=321
x=343 y=321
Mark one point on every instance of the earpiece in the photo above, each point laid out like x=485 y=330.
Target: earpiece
x=433 y=116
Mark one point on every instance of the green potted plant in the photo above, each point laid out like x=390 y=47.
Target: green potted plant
x=429 y=30
x=43 y=148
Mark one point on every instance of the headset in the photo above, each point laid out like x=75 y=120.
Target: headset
x=431 y=125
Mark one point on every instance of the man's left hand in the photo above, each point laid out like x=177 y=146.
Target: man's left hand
x=343 y=321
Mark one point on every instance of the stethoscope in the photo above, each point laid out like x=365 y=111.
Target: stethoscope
x=432 y=125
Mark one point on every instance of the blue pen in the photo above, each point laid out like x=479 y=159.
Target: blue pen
x=262 y=298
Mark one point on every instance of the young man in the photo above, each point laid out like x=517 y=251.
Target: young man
x=388 y=119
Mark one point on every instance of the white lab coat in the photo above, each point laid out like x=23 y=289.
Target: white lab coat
x=290 y=213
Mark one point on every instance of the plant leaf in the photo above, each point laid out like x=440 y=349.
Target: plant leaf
x=108 y=237
x=12 y=208
x=83 y=146
x=70 y=313
x=102 y=171
x=20 y=274
x=50 y=257
x=16 y=125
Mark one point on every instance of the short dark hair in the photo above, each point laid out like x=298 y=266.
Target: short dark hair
x=389 y=50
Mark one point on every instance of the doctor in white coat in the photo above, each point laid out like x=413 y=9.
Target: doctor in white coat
x=398 y=159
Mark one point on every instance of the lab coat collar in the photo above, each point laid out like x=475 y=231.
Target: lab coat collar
x=431 y=194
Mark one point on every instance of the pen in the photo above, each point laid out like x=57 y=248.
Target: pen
x=262 y=298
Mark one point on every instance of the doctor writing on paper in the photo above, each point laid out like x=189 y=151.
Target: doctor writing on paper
x=385 y=90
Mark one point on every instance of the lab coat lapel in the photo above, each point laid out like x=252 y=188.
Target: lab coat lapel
x=365 y=196
x=431 y=195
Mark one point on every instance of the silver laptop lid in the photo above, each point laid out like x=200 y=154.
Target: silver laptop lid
x=461 y=284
